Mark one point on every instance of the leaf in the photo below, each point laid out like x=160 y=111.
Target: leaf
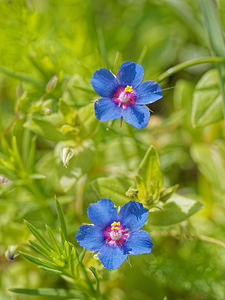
x=22 y=77
x=207 y=101
x=95 y=273
x=39 y=261
x=175 y=210
x=89 y=123
x=113 y=188
x=150 y=172
x=53 y=271
x=64 y=235
x=40 y=249
x=45 y=128
x=211 y=163
x=166 y=193
x=53 y=239
x=38 y=236
x=141 y=190
x=50 y=292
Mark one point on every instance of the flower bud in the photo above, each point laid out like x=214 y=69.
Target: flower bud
x=51 y=84
x=12 y=252
x=67 y=154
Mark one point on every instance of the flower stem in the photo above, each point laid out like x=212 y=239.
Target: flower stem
x=176 y=235
x=189 y=63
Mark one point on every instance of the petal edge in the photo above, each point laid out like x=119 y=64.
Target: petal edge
x=133 y=215
x=104 y=82
x=130 y=73
x=102 y=213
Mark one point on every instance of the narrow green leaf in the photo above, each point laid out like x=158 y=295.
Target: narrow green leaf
x=53 y=271
x=53 y=239
x=72 y=260
x=38 y=236
x=16 y=153
x=81 y=256
x=40 y=249
x=49 y=292
x=102 y=48
x=64 y=235
x=39 y=261
x=175 y=210
x=94 y=272
x=22 y=77
x=67 y=249
x=31 y=156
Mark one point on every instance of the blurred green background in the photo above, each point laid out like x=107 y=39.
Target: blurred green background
x=71 y=39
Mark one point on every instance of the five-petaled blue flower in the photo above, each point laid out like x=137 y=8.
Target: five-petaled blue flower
x=124 y=95
x=115 y=235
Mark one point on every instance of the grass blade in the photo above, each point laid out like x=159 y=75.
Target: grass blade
x=53 y=239
x=49 y=292
x=38 y=236
x=64 y=235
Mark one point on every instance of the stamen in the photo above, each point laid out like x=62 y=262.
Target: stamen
x=128 y=89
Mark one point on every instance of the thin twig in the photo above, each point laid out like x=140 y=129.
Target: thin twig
x=10 y=125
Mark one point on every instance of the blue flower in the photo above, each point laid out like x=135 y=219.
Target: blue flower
x=115 y=235
x=124 y=95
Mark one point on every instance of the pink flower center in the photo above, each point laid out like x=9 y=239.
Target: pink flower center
x=124 y=96
x=116 y=234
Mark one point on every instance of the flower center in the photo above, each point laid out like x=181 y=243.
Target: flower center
x=124 y=96
x=116 y=234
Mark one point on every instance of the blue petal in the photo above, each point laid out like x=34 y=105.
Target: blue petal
x=137 y=115
x=90 y=237
x=148 y=92
x=106 y=109
x=112 y=256
x=139 y=242
x=104 y=82
x=133 y=215
x=130 y=74
x=102 y=213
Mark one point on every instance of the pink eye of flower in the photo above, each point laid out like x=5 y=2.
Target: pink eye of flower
x=124 y=96
x=116 y=234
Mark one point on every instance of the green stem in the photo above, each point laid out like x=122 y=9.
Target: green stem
x=87 y=278
x=216 y=39
x=189 y=63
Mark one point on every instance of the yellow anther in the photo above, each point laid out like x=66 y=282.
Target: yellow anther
x=128 y=89
x=115 y=225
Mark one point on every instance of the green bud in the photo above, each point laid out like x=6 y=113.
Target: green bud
x=12 y=252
